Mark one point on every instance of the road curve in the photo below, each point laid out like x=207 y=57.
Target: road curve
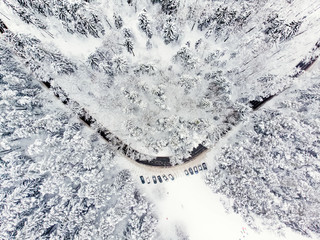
x=162 y=161
x=158 y=161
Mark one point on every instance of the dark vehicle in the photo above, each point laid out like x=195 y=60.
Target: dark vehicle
x=195 y=169
x=142 y=179
x=190 y=170
x=148 y=180
x=186 y=172
x=200 y=167
x=171 y=177
x=160 y=179
x=165 y=177
x=154 y=179
x=198 y=150
x=204 y=165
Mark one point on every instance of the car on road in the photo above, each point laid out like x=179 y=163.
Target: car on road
x=204 y=165
x=154 y=179
x=171 y=177
x=200 y=167
x=195 y=169
x=148 y=180
x=142 y=179
x=165 y=177
x=190 y=171
x=186 y=172
x=160 y=179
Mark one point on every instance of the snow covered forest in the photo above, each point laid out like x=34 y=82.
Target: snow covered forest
x=163 y=76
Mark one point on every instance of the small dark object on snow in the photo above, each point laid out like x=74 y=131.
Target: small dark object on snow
x=204 y=165
x=165 y=177
x=154 y=179
x=195 y=169
x=171 y=177
x=148 y=180
x=186 y=172
x=3 y=27
x=142 y=179
x=200 y=167
x=191 y=171
x=160 y=179
x=306 y=63
x=254 y=104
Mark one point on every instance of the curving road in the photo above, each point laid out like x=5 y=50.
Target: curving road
x=162 y=161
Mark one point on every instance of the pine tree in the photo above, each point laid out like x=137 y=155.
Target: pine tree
x=185 y=57
x=3 y=27
x=170 y=33
x=129 y=45
x=118 y=22
x=169 y=7
x=119 y=64
x=127 y=33
x=144 y=23
x=94 y=61
x=63 y=14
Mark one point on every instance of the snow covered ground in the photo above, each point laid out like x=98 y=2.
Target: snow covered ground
x=188 y=207
x=163 y=79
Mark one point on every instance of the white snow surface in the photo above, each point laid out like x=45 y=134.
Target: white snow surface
x=189 y=204
x=186 y=203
